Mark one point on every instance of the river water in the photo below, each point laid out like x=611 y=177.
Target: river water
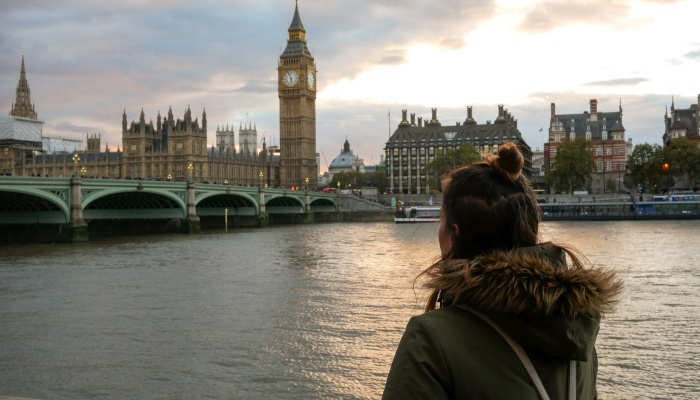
x=303 y=312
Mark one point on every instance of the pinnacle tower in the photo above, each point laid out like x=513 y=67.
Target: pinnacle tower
x=23 y=106
x=297 y=94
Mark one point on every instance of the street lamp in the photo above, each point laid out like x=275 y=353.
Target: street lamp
x=76 y=161
x=83 y=171
x=261 y=174
x=306 y=181
x=170 y=177
x=190 y=168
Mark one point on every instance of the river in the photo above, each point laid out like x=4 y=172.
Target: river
x=303 y=312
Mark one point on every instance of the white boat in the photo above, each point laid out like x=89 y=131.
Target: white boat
x=414 y=214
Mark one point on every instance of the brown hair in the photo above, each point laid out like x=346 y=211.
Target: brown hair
x=494 y=208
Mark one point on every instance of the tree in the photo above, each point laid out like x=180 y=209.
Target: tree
x=611 y=185
x=683 y=157
x=450 y=159
x=645 y=166
x=359 y=179
x=573 y=166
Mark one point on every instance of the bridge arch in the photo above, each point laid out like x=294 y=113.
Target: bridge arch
x=129 y=203
x=243 y=196
x=323 y=205
x=282 y=198
x=37 y=206
x=284 y=204
x=240 y=204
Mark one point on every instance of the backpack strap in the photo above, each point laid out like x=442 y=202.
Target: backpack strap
x=572 y=380
x=524 y=359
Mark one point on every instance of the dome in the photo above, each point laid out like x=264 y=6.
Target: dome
x=343 y=161
x=346 y=160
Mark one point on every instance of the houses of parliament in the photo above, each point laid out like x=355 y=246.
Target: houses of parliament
x=176 y=148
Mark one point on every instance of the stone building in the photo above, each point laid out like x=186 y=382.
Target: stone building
x=606 y=133
x=170 y=149
x=226 y=138
x=177 y=148
x=682 y=123
x=416 y=143
x=20 y=132
x=248 y=139
x=297 y=94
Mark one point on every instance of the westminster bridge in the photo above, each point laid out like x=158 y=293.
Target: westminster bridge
x=72 y=203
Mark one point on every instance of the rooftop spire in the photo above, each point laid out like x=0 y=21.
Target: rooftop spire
x=23 y=106
x=296 y=21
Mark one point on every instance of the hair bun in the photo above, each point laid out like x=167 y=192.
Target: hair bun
x=510 y=160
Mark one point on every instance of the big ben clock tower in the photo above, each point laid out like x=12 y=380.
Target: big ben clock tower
x=297 y=93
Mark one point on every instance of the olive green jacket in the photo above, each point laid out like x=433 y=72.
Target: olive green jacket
x=553 y=312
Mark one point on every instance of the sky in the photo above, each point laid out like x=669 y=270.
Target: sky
x=87 y=61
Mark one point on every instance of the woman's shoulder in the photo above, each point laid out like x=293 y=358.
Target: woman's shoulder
x=450 y=324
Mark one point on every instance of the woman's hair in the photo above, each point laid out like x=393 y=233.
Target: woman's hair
x=487 y=206
x=491 y=204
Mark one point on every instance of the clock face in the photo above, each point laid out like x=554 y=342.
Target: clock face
x=291 y=78
x=311 y=80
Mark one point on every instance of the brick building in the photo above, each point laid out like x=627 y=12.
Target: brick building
x=606 y=133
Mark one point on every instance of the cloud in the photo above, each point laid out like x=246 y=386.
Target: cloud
x=546 y=15
x=618 y=82
x=550 y=14
x=391 y=60
x=693 y=55
x=71 y=127
x=452 y=43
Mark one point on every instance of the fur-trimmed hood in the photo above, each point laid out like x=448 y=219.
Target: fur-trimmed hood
x=532 y=294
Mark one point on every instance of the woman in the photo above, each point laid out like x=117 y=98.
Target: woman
x=514 y=320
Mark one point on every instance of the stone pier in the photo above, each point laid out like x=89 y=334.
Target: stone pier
x=77 y=230
x=191 y=222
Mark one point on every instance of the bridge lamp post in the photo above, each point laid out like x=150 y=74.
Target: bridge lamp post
x=306 y=181
x=76 y=161
x=225 y=181
x=170 y=177
x=83 y=172
x=261 y=174
x=190 y=168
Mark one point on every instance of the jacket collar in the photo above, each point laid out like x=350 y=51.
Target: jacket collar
x=533 y=280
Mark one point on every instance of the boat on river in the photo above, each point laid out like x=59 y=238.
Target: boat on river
x=678 y=208
x=415 y=214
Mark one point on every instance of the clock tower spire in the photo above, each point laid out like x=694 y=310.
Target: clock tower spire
x=297 y=93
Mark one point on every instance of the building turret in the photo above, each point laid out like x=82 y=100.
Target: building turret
x=204 y=120
x=501 y=115
x=553 y=112
x=124 y=122
x=159 y=124
x=142 y=118
x=23 y=107
x=413 y=119
x=434 y=119
x=404 y=118
x=171 y=119
x=420 y=122
x=470 y=118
